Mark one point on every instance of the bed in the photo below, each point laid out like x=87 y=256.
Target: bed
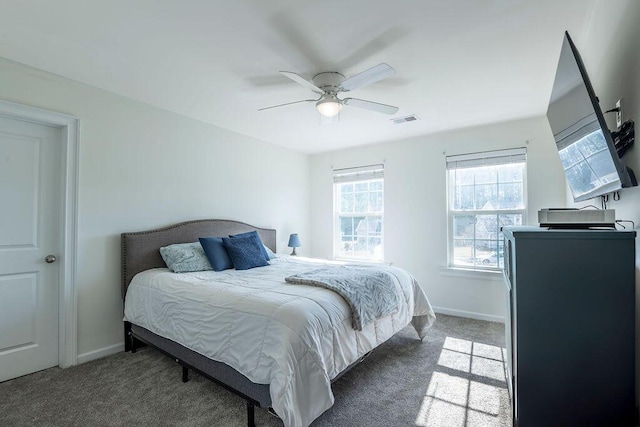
x=277 y=345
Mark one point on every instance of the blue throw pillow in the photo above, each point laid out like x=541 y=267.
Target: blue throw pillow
x=245 y=252
x=254 y=234
x=216 y=253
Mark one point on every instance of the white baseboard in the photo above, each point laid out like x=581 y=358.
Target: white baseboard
x=100 y=353
x=468 y=314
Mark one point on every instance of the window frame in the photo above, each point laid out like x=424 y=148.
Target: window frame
x=487 y=158
x=354 y=176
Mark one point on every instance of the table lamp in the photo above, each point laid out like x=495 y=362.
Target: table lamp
x=294 y=242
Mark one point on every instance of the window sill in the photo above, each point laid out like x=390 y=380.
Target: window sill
x=493 y=276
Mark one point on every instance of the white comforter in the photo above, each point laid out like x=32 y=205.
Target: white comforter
x=294 y=337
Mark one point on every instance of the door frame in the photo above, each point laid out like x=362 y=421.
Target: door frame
x=68 y=294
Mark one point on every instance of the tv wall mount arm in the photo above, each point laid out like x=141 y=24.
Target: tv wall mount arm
x=624 y=137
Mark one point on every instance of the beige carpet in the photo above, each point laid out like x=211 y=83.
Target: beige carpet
x=454 y=378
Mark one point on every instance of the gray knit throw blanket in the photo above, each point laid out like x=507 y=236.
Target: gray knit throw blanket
x=371 y=294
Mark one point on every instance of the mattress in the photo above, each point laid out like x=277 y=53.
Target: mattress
x=295 y=338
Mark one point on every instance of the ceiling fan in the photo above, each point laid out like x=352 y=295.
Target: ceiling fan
x=329 y=84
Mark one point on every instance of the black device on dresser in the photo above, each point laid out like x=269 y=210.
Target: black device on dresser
x=570 y=326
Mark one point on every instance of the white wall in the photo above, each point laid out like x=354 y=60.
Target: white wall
x=612 y=59
x=415 y=204
x=141 y=167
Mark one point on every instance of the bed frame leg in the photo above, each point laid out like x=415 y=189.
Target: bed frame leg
x=127 y=336
x=251 y=422
x=132 y=343
x=129 y=340
x=185 y=374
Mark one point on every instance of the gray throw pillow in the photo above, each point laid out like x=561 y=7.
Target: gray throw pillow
x=185 y=257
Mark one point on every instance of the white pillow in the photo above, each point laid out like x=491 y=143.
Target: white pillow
x=271 y=254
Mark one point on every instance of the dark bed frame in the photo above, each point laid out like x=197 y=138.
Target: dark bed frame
x=140 y=252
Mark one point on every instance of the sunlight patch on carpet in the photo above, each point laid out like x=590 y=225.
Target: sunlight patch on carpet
x=453 y=400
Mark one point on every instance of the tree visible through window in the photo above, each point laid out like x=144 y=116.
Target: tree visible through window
x=486 y=192
x=359 y=207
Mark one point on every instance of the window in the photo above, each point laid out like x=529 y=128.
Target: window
x=486 y=192
x=358 y=212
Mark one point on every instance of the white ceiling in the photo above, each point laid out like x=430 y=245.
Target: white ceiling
x=458 y=63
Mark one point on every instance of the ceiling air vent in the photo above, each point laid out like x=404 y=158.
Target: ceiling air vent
x=405 y=119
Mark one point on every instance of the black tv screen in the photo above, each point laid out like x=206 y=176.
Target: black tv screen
x=586 y=148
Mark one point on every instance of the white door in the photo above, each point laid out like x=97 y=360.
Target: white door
x=30 y=218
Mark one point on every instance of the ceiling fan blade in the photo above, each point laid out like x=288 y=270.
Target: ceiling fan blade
x=304 y=82
x=373 y=47
x=372 y=75
x=288 y=103
x=368 y=105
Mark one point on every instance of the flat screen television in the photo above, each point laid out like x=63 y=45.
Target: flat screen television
x=584 y=142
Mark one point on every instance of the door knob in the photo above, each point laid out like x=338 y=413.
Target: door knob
x=49 y=259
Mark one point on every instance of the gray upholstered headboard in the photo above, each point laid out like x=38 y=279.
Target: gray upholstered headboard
x=141 y=250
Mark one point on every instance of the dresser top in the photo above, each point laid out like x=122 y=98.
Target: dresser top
x=546 y=233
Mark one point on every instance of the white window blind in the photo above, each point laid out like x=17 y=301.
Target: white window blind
x=361 y=173
x=490 y=158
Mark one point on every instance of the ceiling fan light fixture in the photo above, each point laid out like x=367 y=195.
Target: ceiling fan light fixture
x=329 y=106
x=328 y=84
